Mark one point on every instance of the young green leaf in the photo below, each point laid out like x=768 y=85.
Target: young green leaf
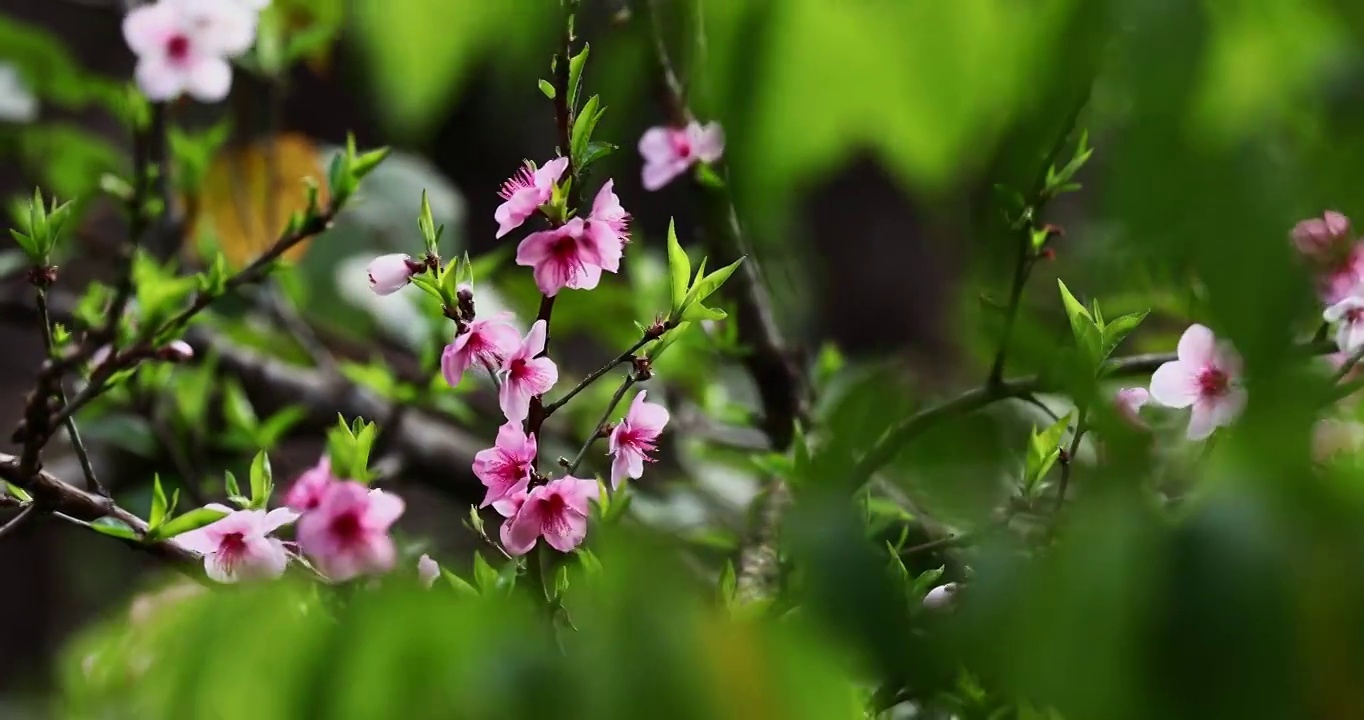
x=728 y=584
x=1044 y=448
x=575 y=76
x=1117 y=330
x=547 y=89
x=679 y=269
x=1087 y=335
x=594 y=151
x=583 y=127
x=459 y=584
x=707 y=286
x=113 y=528
x=262 y=484
x=484 y=574
x=192 y=520
x=159 y=504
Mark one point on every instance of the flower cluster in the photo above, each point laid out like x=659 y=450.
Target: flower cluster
x=341 y=525
x=184 y=46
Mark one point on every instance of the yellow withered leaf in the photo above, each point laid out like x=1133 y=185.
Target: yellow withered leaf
x=243 y=208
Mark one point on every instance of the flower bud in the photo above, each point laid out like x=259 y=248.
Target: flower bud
x=390 y=273
x=176 y=351
x=427 y=571
x=1129 y=402
x=940 y=597
x=1322 y=239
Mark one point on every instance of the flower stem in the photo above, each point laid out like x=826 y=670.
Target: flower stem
x=596 y=375
x=606 y=416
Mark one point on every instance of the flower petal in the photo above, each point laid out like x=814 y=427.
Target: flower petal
x=209 y=79
x=1197 y=345
x=1175 y=384
x=1202 y=421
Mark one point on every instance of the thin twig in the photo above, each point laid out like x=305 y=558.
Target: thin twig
x=1069 y=458
x=621 y=359
x=18 y=521
x=606 y=417
x=82 y=454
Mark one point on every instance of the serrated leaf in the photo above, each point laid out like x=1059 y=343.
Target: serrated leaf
x=1117 y=330
x=1087 y=335
x=113 y=528
x=192 y=520
x=484 y=574
x=679 y=269
x=595 y=151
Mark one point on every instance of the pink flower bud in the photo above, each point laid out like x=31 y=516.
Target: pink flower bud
x=1324 y=238
x=389 y=273
x=427 y=571
x=176 y=351
x=940 y=597
x=1129 y=402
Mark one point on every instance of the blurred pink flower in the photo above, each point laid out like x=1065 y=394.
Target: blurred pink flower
x=505 y=467
x=346 y=535
x=239 y=546
x=486 y=342
x=557 y=512
x=390 y=273
x=608 y=227
x=427 y=571
x=1322 y=239
x=307 y=490
x=669 y=152
x=524 y=375
x=634 y=438
x=1342 y=278
x=182 y=46
x=562 y=257
x=1129 y=402
x=1207 y=377
x=525 y=192
x=1348 y=317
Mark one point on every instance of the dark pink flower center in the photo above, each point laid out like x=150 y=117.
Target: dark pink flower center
x=524 y=178
x=177 y=47
x=517 y=368
x=1354 y=315
x=681 y=145
x=1213 y=382
x=346 y=528
x=640 y=441
x=231 y=550
x=555 y=516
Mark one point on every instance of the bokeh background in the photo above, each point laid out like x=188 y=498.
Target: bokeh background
x=868 y=144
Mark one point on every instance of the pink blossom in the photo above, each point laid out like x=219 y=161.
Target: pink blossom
x=524 y=375
x=1348 y=316
x=1324 y=238
x=485 y=342
x=557 y=511
x=182 y=46
x=239 y=546
x=669 y=152
x=525 y=192
x=563 y=257
x=1206 y=376
x=1343 y=277
x=633 y=440
x=427 y=571
x=1129 y=402
x=347 y=533
x=307 y=491
x=506 y=466
x=176 y=351
x=608 y=227
x=390 y=273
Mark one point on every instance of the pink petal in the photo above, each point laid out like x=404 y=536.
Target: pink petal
x=656 y=146
x=584 y=277
x=605 y=244
x=1197 y=346
x=277 y=518
x=534 y=343
x=157 y=79
x=209 y=79
x=521 y=532
x=1227 y=408
x=553 y=275
x=541 y=375
x=620 y=468
x=384 y=509
x=707 y=141
x=514 y=399
x=1202 y=421
x=575 y=529
x=1175 y=384
x=265 y=559
x=1336 y=223
x=647 y=417
x=454 y=360
x=657 y=175
x=516 y=210
x=146 y=27
x=547 y=176
x=578 y=492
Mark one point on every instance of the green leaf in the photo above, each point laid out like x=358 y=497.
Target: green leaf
x=427 y=224
x=698 y=312
x=1044 y=448
x=237 y=410
x=926 y=581
x=547 y=88
x=583 y=126
x=679 y=269
x=575 y=76
x=484 y=574
x=459 y=584
x=18 y=493
x=1117 y=330
x=1087 y=335
x=230 y=484
x=705 y=287
x=114 y=528
x=273 y=429
x=595 y=151
x=262 y=483
x=728 y=583
x=159 y=504
x=192 y=520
